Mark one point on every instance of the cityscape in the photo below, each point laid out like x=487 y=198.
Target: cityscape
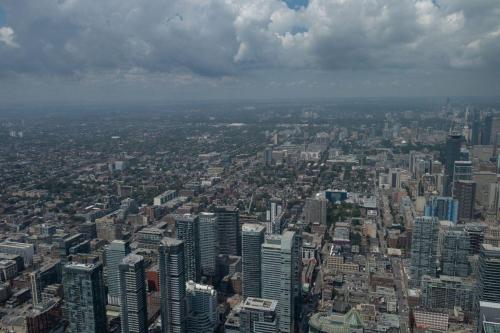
x=250 y=166
x=295 y=217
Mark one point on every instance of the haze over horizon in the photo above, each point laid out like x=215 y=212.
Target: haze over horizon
x=130 y=50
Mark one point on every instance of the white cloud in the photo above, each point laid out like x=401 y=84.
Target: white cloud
x=7 y=37
x=217 y=38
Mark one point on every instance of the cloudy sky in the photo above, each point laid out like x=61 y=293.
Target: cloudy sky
x=107 y=50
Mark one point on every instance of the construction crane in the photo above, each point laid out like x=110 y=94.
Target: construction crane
x=250 y=205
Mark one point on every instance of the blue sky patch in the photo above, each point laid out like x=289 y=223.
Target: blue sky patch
x=435 y=3
x=296 y=4
x=298 y=30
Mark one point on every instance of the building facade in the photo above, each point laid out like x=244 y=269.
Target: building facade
x=172 y=286
x=252 y=239
x=202 y=308
x=465 y=193
x=424 y=245
x=25 y=250
x=133 y=314
x=489 y=273
x=315 y=210
x=489 y=317
x=281 y=267
x=114 y=254
x=462 y=170
x=209 y=248
x=228 y=230
x=259 y=315
x=84 y=296
x=452 y=154
x=444 y=208
x=447 y=292
x=187 y=230
x=455 y=249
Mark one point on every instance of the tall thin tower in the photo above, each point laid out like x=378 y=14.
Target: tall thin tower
x=84 y=298
x=252 y=237
x=453 y=145
x=281 y=275
x=114 y=254
x=228 y=230
x=187 y=230
x=172 y=286
x=489 y=273
x=209 y=247
x=424 y=245
x=134 y=314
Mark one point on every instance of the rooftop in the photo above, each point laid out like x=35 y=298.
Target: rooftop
x=171 y=241
x=16 y=244
x=260 y=304
x=489 y=305
x=253 y=227
x=192 y=286
x=80 y=266
x=185 y=217
x=489 y=247
x=132 y=259
x=207 y=214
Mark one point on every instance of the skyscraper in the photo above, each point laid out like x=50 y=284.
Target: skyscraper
x=148 y=238
x=476 y=233
x=444 y=208
x=476 y=127
x=48 y=274
x=172 y=285
x=134 y=314
x=496 y=145
x=494 y=199
x=228 y=230
x=465 y=193
x=447 y=292
x=489 y=273
x=455 y=250
x=281 y=267
x=462 y=170
x=424 y=246
x=275 y=209
x=208 y=243
x=84 y=297
x=489 y=317
x=268 y=156
x=486 y=130
x=187 y=230
x=495 y=128
x=114 y=254
x=274 y=217
x=259 y=315
x=315 y=210
x=252 y=237
x=395 y=179
x=202 y=308
x=453 y=144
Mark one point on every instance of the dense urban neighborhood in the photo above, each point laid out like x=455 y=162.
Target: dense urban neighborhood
x=349 y=215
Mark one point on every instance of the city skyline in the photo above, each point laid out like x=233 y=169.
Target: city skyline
x=272 y=217
x=250 y=166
